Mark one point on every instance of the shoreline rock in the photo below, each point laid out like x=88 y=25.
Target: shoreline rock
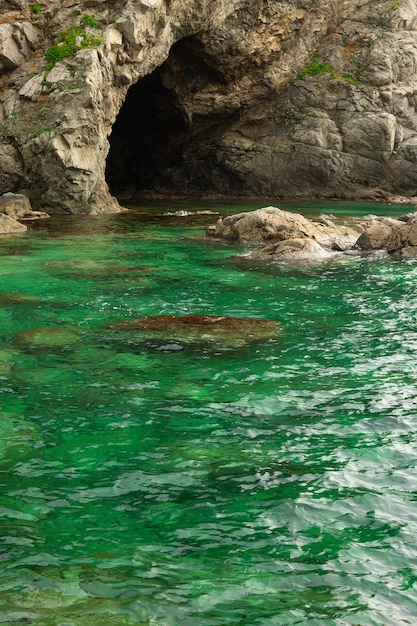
x=239 y=98
x=293 y=237
x=9 y=226
x=15 y=208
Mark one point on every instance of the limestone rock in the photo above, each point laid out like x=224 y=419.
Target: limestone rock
x=292 y=237
x=403 y=237
x=371 y=135
x=398 y=237
x=273 y=224
x=18 y=207
x=229 y=97
x=14 y=205
x=9 y=226
x=376 y=236
x=292 y=250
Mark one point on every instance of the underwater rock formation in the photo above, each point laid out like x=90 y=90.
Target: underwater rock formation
x=229 y=332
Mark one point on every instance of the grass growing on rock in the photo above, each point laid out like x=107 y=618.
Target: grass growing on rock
x=70 y=41
x=320 y=67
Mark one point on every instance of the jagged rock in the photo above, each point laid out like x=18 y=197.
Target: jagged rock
x=293 y=237
x=230 y=332
x=377 y=235
x=230 y=97
x=18 y=207
x=9 y=226
x=403 y=238
x=396 y=236
x=292 y=250
x=273 y=224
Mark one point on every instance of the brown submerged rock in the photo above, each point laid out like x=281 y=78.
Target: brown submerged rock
x=231 y=332
x=46 y=338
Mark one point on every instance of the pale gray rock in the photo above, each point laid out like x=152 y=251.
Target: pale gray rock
x=223 y=95
x=18 y=207
x=292 y=250
x=15 y=205
x=17 y=37
x=9 y=226
x=371 y=135
x=273 y=224
x=291 y=236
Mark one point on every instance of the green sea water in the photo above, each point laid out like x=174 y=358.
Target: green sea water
x=165 y=484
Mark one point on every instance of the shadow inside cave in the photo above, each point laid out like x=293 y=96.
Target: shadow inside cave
x=166 y=135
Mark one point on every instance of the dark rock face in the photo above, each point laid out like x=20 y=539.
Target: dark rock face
x=219 y=97
x=230 y=332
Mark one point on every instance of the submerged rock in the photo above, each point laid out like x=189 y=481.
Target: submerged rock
x=17 y=436
x=11 y=299
x=231 y=332
x=47 y=337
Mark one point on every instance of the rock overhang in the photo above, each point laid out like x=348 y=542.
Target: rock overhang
x=251 y=125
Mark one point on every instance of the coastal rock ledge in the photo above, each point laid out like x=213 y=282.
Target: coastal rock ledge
x=15 y=208
x=292 y=237
x=105 y=102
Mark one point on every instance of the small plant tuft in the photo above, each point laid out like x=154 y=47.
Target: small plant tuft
x=320 y=67
x=89 y=20
x=41 y=131
x=35 y=8
x=70 y=41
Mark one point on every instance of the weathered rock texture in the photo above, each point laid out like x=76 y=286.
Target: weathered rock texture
x=292 y=237
x=205 y=97
x=15 y=208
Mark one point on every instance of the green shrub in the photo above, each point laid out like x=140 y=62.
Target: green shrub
x=319 y=67
x=35 y=8
x=89 y=20
x=41 y=131
x=68 y=45
x=316 y=67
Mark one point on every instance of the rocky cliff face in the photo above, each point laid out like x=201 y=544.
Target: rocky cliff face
x=255 y=97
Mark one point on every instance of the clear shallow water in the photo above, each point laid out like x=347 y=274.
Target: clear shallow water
x=139 y=484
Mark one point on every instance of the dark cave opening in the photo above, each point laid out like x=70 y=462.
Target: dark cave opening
x=159 y=143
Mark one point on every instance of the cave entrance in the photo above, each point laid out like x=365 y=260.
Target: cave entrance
x=159 y=142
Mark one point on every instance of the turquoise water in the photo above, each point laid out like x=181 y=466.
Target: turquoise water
x=164 y=484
